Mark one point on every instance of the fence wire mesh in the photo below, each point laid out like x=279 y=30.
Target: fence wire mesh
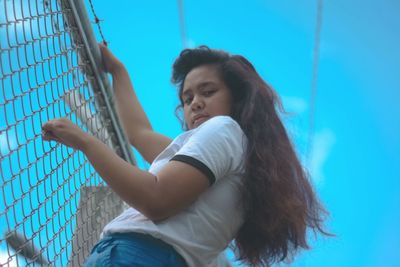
x=53 y=204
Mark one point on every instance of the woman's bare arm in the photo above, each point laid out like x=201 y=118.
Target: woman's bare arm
x=174 y=188
x=134 y=119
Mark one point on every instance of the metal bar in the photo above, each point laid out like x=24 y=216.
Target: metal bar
x=93 y=54
x=88 y=213
x=182 y=24
x=314 y=83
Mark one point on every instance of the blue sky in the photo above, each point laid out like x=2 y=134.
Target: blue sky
x=355 y=159
x=356 y=149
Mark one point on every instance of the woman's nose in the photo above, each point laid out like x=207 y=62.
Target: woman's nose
x=197 y=103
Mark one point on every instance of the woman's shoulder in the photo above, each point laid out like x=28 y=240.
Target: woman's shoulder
x=220 y=128
x=218 y=122
x=217 y=126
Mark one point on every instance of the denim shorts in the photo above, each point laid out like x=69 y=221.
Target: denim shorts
x=133 y=249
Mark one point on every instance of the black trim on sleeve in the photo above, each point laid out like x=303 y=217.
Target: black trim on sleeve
x=198 y=165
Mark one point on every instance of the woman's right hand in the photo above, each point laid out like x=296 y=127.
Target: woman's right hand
x=110 y=62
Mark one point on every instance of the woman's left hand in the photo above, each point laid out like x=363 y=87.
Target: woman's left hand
x=66 y=132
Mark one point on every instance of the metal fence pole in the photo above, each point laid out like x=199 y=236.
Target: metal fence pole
x=89 y=217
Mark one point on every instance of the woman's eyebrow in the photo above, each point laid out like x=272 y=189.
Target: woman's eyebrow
x=186 y=92
x=206 y=83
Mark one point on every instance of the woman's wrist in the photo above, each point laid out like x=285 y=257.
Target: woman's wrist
x=88 y=141
x=117 y=68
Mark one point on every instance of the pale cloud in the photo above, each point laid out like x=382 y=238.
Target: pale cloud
x=294 y=104
x=327 y=50
x=7 y=143
x=322 y=146
x=323 y=140
x=190 y=43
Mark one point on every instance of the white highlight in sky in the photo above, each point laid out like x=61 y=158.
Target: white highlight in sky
x=322 y=146
x=6 y=261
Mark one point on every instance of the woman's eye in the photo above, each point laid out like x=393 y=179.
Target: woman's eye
x=208 y=92
x=187 y=100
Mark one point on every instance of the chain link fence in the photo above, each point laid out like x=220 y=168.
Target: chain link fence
x=53 y=204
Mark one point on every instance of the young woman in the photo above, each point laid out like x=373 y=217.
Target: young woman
x=233 y=175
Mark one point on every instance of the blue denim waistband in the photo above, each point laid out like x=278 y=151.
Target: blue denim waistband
x=155 y=244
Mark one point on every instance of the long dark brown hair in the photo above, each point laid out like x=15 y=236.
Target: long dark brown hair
x=279 y=202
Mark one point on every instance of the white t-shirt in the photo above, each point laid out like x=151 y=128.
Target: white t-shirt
x=200 y=232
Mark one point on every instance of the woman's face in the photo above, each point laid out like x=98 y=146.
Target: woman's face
x=204 y=95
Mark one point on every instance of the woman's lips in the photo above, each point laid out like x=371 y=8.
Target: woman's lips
x=199 y=120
